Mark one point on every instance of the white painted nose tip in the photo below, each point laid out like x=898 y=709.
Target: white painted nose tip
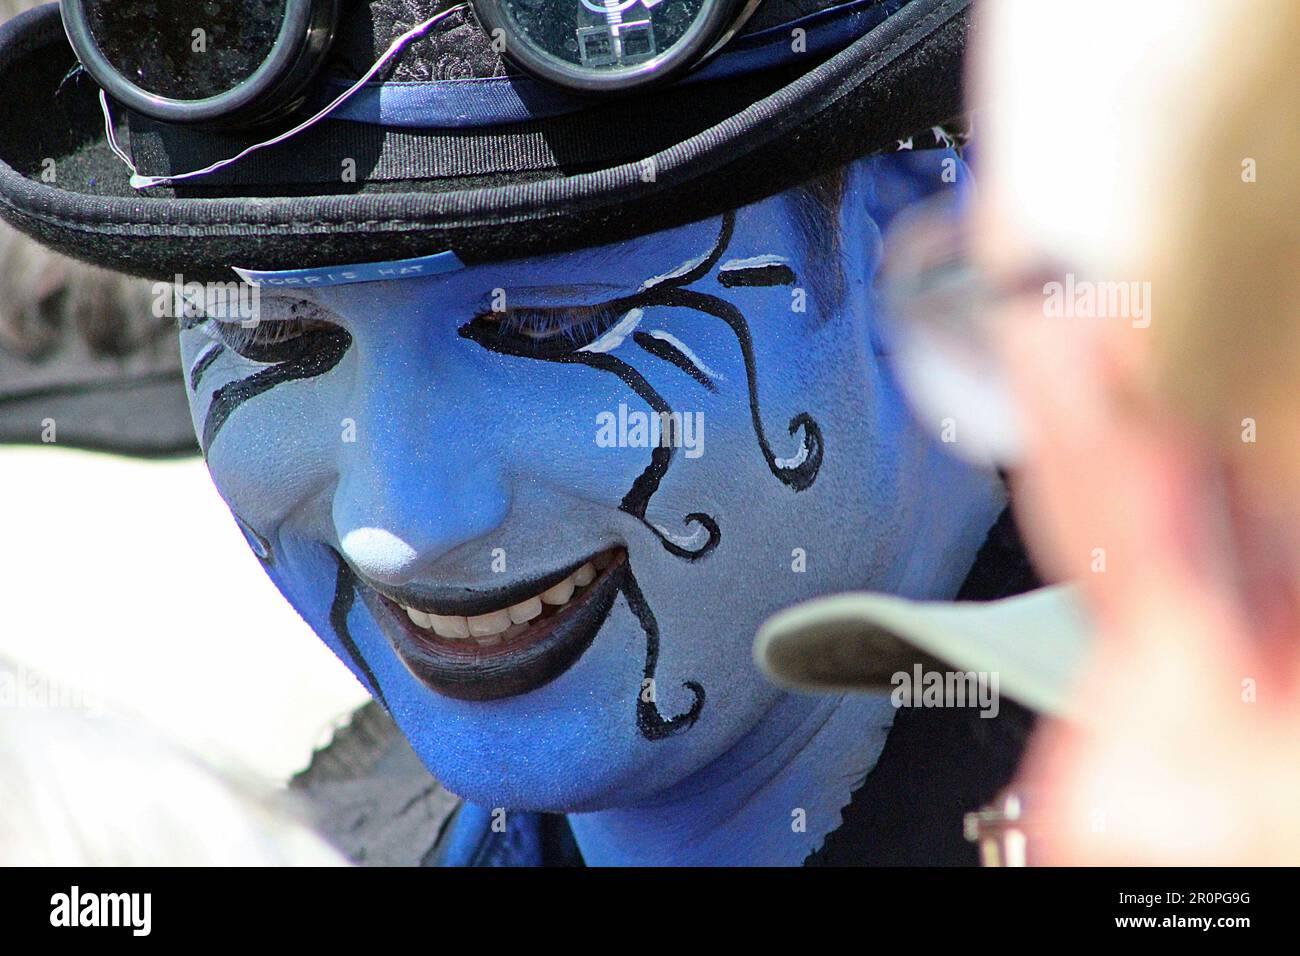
x=379 y=554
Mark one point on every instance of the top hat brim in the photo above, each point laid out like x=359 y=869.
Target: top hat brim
x=61 y=184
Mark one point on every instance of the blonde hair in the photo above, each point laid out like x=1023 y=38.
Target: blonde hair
x=1226 y=346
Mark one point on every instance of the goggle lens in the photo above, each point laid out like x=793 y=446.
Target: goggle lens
x=603 y=35
x=182 y=49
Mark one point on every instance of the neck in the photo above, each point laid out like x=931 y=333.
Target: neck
x=769 y=801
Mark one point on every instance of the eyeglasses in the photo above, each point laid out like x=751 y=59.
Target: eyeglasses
x=940 y=308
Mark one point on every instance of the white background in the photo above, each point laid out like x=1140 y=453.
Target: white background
x=129 y=579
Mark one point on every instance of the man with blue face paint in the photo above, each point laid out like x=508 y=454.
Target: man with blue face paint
x=543 y=401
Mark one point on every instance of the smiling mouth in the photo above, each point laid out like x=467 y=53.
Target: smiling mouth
x=477 y=645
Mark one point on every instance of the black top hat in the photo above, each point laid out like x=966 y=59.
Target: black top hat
x=455 y=151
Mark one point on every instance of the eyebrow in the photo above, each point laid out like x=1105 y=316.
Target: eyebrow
x=755 y=271
x=559 y=296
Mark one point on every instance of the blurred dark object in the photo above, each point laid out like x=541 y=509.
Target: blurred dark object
x=1001 y=831
x=84 y=362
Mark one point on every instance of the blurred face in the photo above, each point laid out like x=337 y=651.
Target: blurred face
x=1123 y=90
x=1122 y=219
x=1182 y=737
x=540 y=507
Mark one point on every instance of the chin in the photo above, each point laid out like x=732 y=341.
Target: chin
x=574 y=745
x=551 y=772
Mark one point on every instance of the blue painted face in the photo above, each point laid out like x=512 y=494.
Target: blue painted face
x=462 y=443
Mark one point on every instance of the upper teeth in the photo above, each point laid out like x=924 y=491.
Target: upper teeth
x=496 y=626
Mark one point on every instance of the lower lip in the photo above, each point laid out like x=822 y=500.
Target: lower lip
x=465 y=670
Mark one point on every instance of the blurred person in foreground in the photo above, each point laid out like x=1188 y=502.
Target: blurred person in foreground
x=1128 y=348
x=1175 y=447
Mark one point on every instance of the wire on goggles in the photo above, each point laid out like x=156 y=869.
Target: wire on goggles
x=139 y=181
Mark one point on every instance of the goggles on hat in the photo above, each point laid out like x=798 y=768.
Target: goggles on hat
x=233 y=63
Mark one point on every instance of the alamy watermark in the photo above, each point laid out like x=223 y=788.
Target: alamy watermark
x=22 y=688
x=133 y=911
x=922 y=688
x=224 y=301
x=1088 y=299
x=631 y=428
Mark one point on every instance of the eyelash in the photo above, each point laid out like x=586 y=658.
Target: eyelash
x=551 y=331
x=285 y=334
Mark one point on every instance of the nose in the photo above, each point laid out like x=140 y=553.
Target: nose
x=418 y=481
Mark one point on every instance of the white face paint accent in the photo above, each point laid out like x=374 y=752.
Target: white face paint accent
x=754 y=262
x=798 y=458
x=615 y=336
x=677 y=273
x=688 y=541
x=380 y=550
x=682 y=347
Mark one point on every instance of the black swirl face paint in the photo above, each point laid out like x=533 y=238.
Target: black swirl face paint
x=758 y=274
x=652 y=724
x=798 y=473
x=637 y=500
x=345 y=595
x=204 y=362
x=318 y=353
x=665 y=350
